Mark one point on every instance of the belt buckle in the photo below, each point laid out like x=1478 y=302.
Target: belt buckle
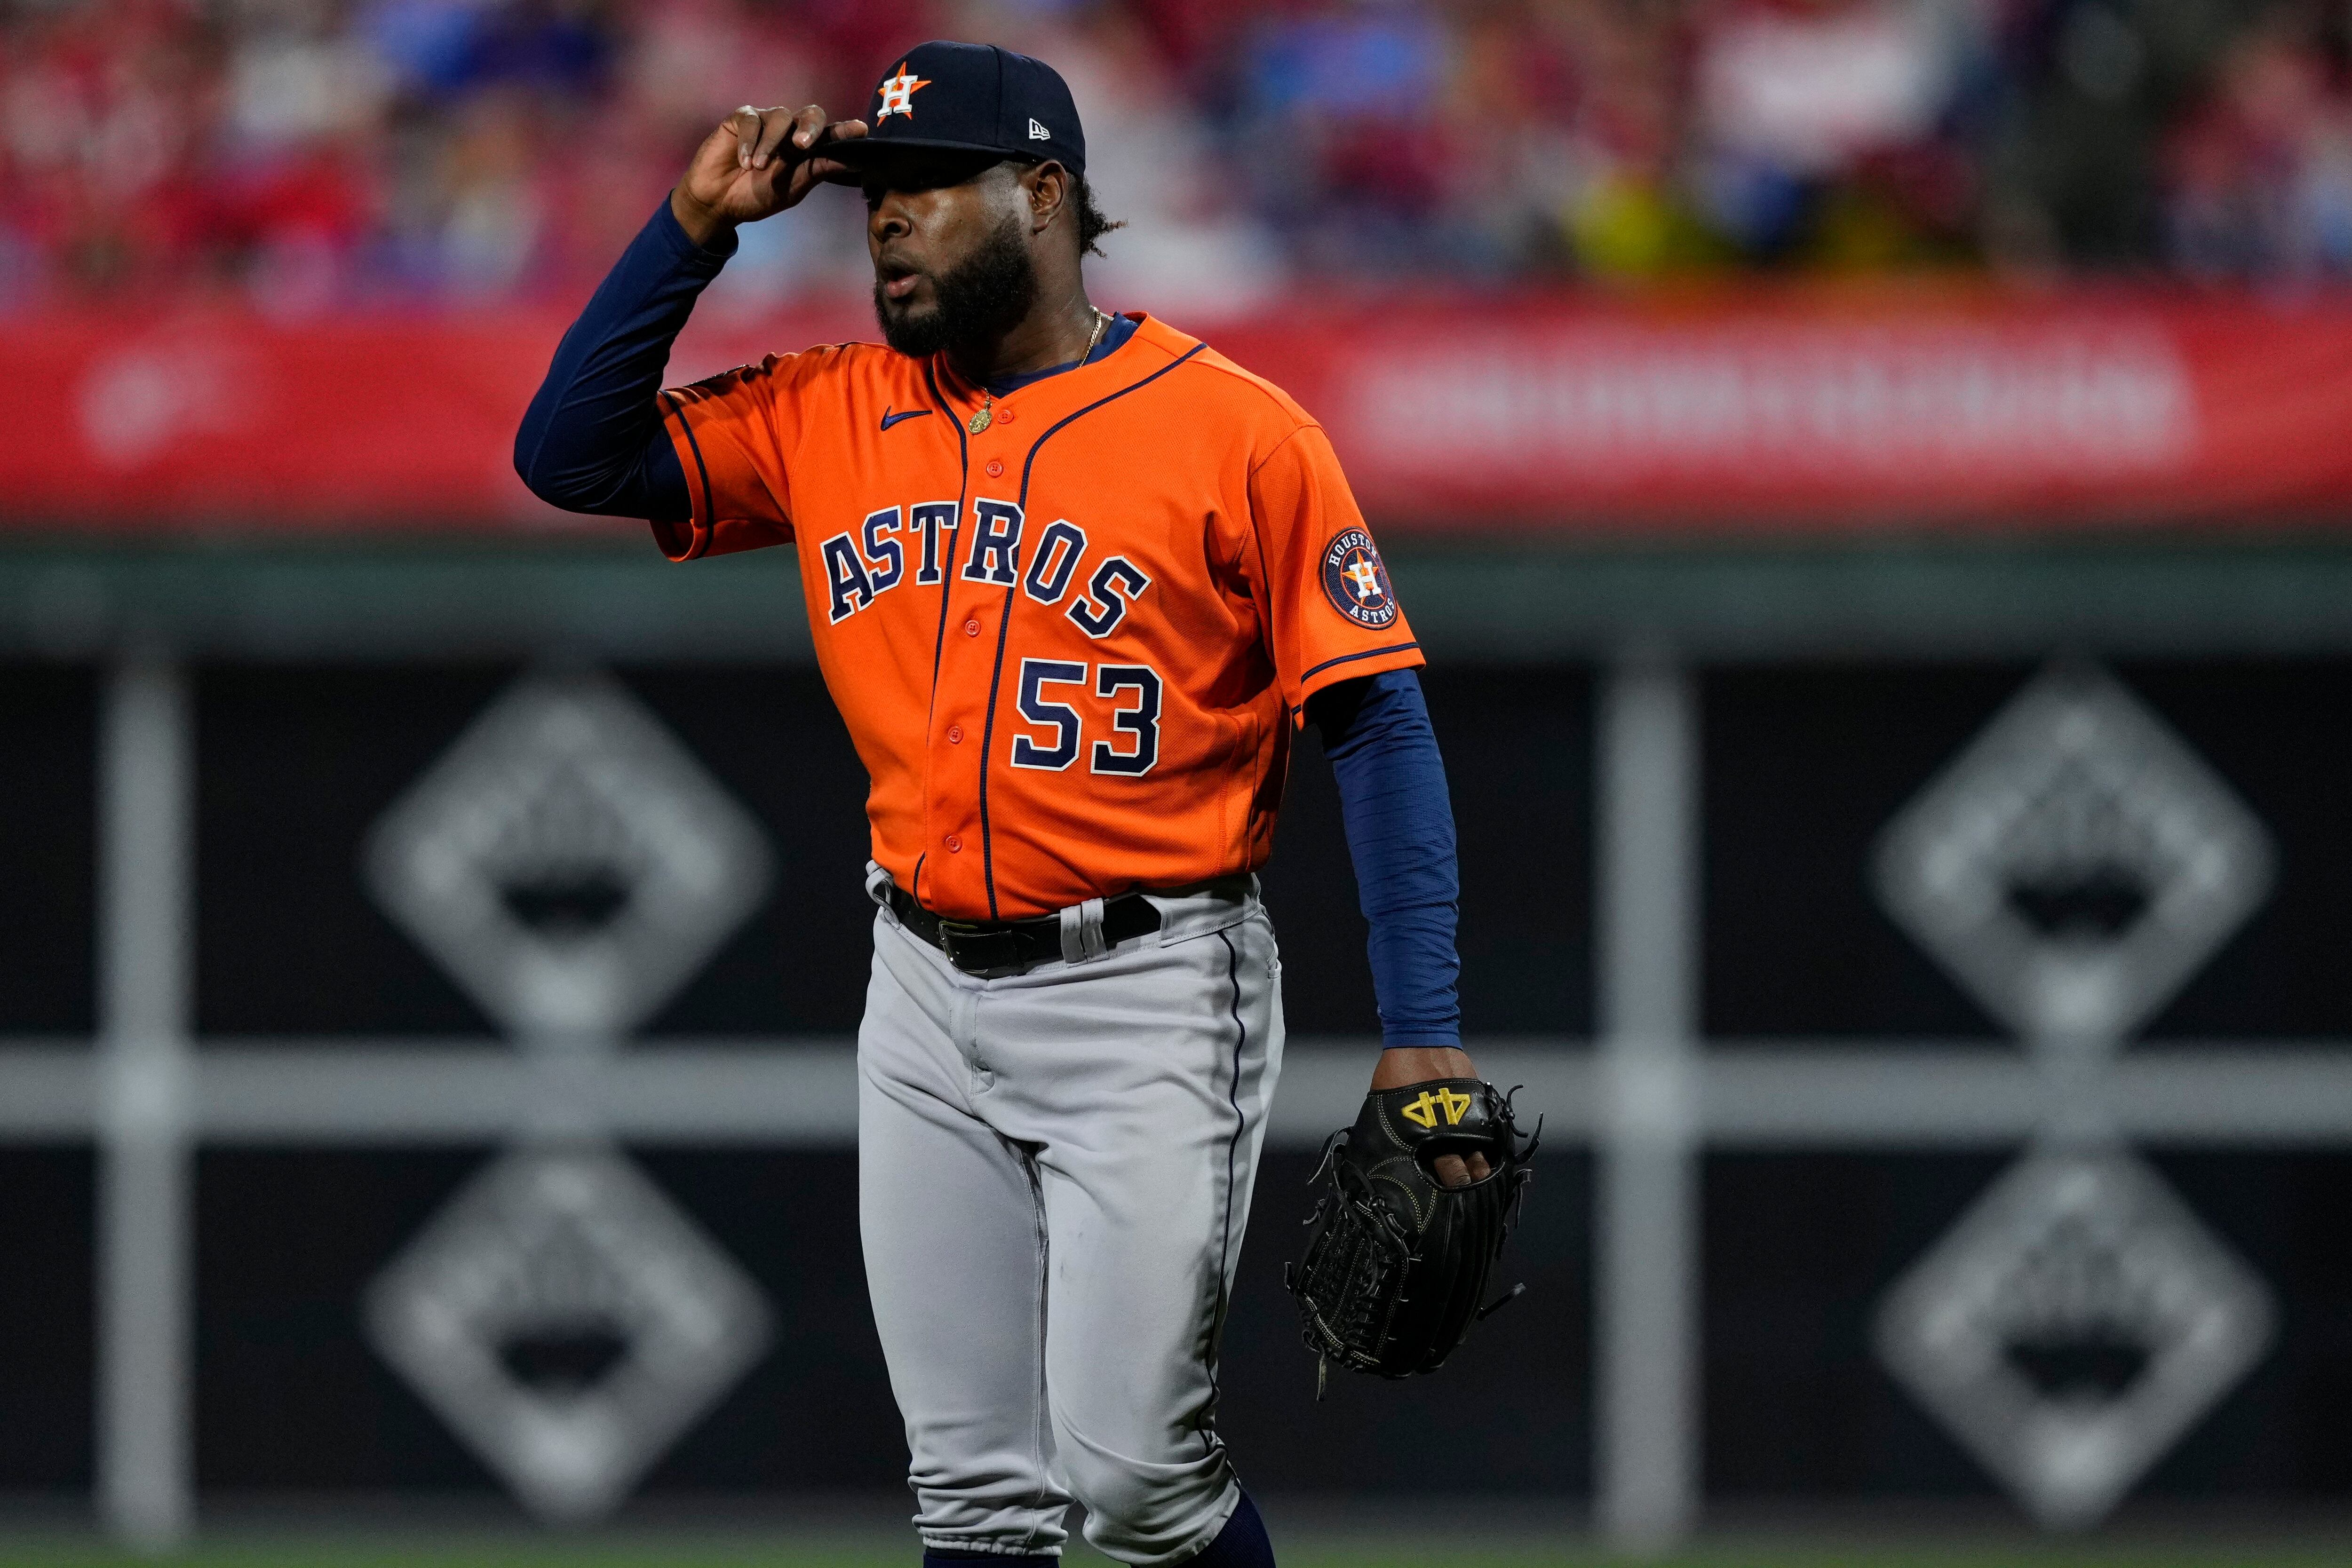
x=984 y=953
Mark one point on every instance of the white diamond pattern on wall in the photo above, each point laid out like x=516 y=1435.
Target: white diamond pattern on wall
x=1650 y=1101
x=2073 y=868
x=2076 y=864
x=569 y=1322
x=2073 y=1325
x=567 y=860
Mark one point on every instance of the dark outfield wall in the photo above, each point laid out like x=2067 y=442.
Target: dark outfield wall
x=1803 y=767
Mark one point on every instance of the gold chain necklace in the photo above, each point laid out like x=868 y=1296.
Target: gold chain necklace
x=987 y=415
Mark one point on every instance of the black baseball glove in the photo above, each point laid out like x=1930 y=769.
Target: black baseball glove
x=1396 y=1262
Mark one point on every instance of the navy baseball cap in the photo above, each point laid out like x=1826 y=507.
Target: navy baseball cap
x=971 y=97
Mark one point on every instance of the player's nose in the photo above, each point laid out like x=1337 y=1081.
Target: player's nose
x=887 y=220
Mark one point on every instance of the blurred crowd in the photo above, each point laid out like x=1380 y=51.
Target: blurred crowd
x=309 y=154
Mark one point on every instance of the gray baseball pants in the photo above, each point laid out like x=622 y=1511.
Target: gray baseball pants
x=1054 y=1173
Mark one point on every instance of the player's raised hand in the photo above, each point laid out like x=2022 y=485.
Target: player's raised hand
x=1408 y=1065
x=755 y=164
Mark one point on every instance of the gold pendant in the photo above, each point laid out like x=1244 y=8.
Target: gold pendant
x=979 y=421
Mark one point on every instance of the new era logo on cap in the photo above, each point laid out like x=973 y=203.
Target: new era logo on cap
x=1039 y=133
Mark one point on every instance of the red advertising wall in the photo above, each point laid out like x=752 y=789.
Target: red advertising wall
x=1803 y=413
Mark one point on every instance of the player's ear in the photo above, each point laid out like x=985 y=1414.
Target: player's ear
x=1048 y=187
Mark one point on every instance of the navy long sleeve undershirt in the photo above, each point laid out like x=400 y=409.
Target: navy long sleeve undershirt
x=593 y=442
x=1399 y=821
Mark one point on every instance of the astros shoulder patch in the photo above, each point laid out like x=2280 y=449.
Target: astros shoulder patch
x=1356 y=580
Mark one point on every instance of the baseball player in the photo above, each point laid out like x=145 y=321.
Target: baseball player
x=1075 y=579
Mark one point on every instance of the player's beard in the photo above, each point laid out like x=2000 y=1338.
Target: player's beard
x=979 y=300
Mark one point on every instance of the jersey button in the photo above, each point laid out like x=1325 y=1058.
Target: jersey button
x=955 y=735
x=1006 y=415
x=955 y=844
x=995 y=468
x=972 y=628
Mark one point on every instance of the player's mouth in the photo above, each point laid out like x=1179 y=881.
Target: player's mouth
x=897 y=280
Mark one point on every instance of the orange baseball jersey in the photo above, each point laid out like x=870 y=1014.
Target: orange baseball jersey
x=1070 y=627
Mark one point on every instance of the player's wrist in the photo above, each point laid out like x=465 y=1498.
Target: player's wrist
x=704 y=224
x=1401 y=1065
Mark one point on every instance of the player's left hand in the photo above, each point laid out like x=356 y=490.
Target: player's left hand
x=1407 y=1065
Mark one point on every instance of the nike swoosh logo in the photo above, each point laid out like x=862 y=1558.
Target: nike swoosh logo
x=889 y=419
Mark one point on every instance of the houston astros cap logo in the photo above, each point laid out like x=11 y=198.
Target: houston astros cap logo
x=899 y=94
x=1356 y=580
